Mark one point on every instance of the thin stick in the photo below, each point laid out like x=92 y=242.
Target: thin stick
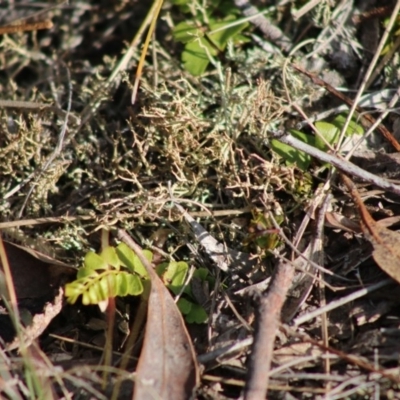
x=344 y=300
x=339 y=163
x=365 y=118
x=267 y=325
x=371 y=67
x=158 y=5
x=25 y=27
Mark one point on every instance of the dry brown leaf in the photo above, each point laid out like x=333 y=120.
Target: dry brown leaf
x=35 y=275
x=38 y=281
x=167 y=367
x=39 y=322
x=386 y=243
x=338 y=221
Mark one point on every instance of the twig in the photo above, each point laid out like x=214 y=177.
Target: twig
x=267 y=325
x=318 y=250
x=122 y=65
x=271 y=32
x=344 y=300
x=370 y=69
x=342 y=165
x=364 y=117
x=25 y=27
x=305 y=9
x=349 y=358
x=392 y=103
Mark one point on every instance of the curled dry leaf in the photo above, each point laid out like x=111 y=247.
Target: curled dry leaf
x=167 y=366
x=38 y=281
x=386 y=243
x=39 y=322
x=338 y=221
x=35 y=275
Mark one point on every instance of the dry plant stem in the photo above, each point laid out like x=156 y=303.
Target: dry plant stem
x=278 y=388
x=305 y=9
x=341 y=164
x=25 y=27
x=299 y=254
x=364 y=117
x=83 y=344
x=384 y=114
x=385 y=59
x=349 y=358
x=12 y=296
x=318 y=198
x=343 y=300
x=370 y=69
x=271 y=32
x=224 y=351
x=31 y=105
x=90 y=109
x=267 y=324
x=108 y=348
x=368 y=223
x=318 y=252
x=39 y=221
x=158 y=5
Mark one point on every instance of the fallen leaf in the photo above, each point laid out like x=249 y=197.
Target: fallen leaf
x=386 y=243
x=39 y=322
x=338 y=221
x=167 y=367
x=35 y=275
x=38 y=281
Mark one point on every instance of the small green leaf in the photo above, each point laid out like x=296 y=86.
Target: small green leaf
x=353 y=129
x=329 y=132
x=175 y=275
x=179 y=2
x=105 y=287
x=225 y=32
x=201 y=273
x=126 y=256
x=135 y=286
x=73 y=290
x=139 y=268
x=195 y=58
x=161 y=269
x=93 y=261
x=292 y=155
x=91 y=295
x=185 y=32
x=131 y=261
x=121 y=283
x=84 y=272
x=196 y=315
x=184 y=306
x=109 y=255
